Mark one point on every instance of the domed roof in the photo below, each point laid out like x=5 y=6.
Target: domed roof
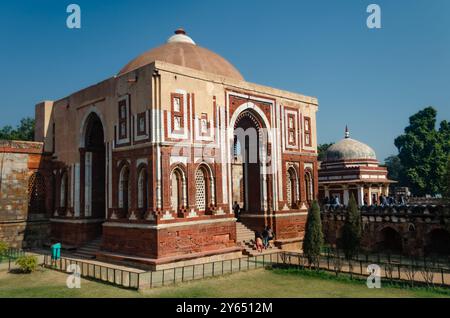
x=181 y=50
x=349 y=149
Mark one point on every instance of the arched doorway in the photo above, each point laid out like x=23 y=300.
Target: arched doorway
x=94 y=168
x=438 y=242
x=390 y=241
x=246 y=147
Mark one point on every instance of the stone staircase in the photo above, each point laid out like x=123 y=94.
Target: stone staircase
x=243 y=233
x=246 y=239
x=89 y=250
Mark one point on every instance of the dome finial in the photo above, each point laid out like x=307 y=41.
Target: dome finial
x=180 y=36
x=347 y=133
x=180 y=31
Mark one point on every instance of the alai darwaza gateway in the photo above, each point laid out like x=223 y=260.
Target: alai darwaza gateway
x=149 y=163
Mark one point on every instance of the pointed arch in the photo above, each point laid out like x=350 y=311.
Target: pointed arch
x=292 y=187
x=124 y=187
x=93 y=164
x=178 y=190
x=309 y=185
x=204 y=187
x=36 y=193
x=64 y=191
x=142 y=186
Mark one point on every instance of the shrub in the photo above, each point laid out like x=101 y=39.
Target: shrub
x=3 y=248
x=27 y=263
x=313 y=240
x=351 y=231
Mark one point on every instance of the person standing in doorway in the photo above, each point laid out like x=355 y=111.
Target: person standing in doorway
x=236 y=210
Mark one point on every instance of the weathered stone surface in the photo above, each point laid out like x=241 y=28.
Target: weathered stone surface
x=18 y=161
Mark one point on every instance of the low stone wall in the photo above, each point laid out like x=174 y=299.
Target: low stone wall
x=405 y=228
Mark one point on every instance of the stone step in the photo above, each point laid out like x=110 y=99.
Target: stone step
x=91 y=245
x=254 y=252
x=84 y=255
x=88 y=249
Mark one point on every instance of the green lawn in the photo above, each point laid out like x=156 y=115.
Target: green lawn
x=256 y=283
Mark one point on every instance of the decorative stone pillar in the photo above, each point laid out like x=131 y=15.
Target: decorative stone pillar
x=360 y=195
x=346 y=195
x=327 y=191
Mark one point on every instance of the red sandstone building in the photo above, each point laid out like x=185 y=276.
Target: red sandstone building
x=150 y=161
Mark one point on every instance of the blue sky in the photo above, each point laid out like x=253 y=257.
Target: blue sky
x=372 y=80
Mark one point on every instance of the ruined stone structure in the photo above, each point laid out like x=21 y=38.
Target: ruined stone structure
x=24 y=218
x=409 y=230
x=145 y=160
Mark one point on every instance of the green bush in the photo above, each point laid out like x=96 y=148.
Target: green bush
x=3 y=248
x=351 y=231
x=313 y=242
x=27 y=263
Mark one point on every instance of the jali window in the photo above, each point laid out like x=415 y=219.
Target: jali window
x=200 y=184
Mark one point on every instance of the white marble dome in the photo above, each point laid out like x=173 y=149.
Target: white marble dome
x=349 y=149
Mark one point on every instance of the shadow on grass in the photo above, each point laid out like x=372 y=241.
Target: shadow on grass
x=355 y=279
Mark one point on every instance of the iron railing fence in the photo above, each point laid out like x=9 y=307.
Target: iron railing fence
x=180 y=274
x=439 y=261
x=392 y=271
x=106 y=274
x=10 y=256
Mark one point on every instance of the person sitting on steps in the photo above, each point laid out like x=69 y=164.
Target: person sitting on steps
x=259 y=242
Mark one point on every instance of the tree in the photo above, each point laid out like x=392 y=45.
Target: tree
x=423 y=152
x=351 y=231
x=24 y=131
x=322 y=150
x=447 y=177
x=396 y=171
x=313 y=240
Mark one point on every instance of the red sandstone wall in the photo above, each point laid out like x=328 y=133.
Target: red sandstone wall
x=75 y=234
x=176 y=241
x=290 y=227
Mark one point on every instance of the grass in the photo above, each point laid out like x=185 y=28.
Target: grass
x=253 y=284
